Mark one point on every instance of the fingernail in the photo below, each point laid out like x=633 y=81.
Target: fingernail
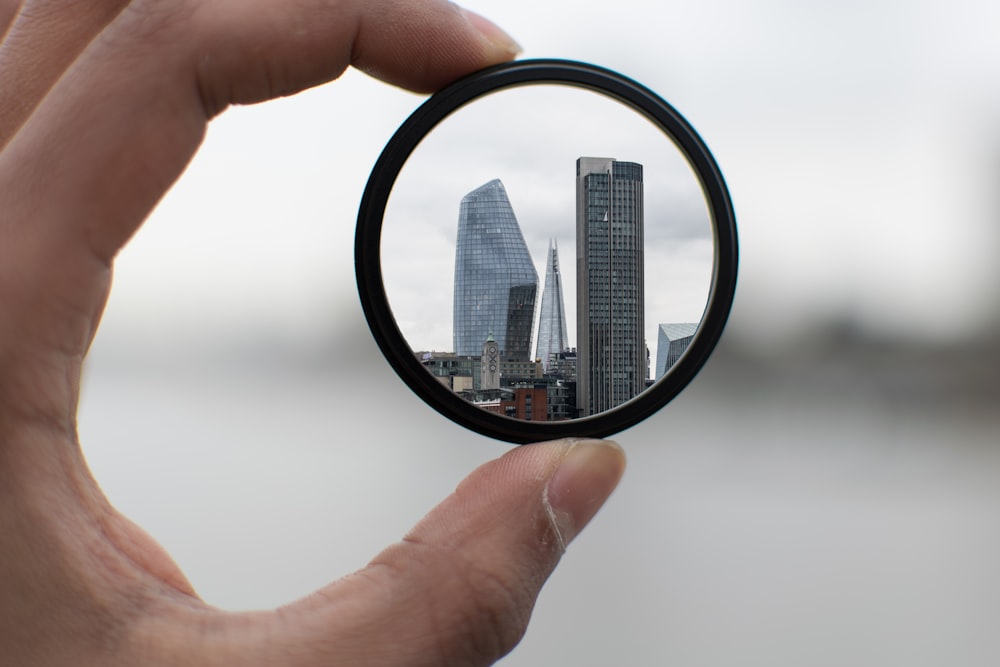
x=502 y=43
x=583 y=481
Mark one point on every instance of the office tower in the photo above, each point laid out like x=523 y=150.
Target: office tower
x=673 y=340
x=495 y=280
x=552 y=338
x=611 y=350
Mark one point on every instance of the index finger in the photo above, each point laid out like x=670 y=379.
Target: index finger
x=121 y=124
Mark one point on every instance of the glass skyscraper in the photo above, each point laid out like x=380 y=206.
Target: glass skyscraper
x=673 y=340
x=611 y=350
x=495 y=279
x=552 y=338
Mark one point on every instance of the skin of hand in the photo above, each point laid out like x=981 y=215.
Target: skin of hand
x=102 y=105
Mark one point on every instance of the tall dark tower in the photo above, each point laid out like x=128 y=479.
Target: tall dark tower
x=611 y=349
x=495 y=279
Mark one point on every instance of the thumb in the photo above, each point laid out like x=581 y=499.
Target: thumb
x=460 y=587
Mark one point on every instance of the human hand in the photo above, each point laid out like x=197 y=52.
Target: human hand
x=102 y=104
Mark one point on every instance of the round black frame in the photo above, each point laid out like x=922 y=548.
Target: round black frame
x=369 y=231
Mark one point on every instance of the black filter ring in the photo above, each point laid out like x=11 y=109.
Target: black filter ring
x=371 y=288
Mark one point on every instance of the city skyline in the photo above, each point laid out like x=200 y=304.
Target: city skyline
x=533 y=149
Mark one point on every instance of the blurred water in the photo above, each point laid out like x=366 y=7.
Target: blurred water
x=836 y=506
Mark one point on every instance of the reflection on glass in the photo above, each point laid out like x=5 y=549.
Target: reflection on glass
x=635 y=227
x=672 y=342
x=552 y=336
x=495 y=279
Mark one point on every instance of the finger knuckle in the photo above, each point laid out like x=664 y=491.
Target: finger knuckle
x=464 y=610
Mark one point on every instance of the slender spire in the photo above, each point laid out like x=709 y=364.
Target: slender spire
x=552 y=337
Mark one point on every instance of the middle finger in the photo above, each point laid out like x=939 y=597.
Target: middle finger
x=43 y=40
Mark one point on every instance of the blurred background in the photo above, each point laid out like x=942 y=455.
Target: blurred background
x=827 y=490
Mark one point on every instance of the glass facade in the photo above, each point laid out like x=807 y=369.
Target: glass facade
x=611 y=351
x=451 y=366
x=673 y=340
x=552 y=338
x=495 y=280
